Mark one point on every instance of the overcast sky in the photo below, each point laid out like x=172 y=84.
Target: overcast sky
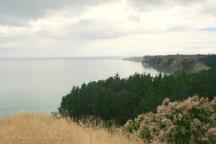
x=73 y=28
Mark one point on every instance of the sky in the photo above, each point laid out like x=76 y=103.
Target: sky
x=79 y=28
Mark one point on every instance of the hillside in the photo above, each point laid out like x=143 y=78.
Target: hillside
x=42 y=129
x=175 y=64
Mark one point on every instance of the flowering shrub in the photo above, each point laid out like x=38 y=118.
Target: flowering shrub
x=188 y=122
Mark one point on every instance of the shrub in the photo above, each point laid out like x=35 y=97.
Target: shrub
x=190 y=121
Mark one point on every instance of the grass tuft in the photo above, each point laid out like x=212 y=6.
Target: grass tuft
x=37 y=128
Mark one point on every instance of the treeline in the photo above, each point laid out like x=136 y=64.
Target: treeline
x=209 y=60
x=117 y=99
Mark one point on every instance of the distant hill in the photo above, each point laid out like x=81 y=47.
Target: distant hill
x=175 y=64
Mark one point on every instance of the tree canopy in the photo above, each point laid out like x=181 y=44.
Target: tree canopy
x=119 y=99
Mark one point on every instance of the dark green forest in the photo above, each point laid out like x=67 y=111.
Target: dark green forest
x=119 y=99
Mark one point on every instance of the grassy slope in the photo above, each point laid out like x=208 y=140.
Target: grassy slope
x=42 y=129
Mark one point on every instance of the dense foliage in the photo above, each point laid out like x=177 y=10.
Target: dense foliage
x=192 y=121
x=209 y=60
x=117 y=99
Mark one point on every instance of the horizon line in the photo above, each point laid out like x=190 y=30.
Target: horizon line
x=82 y=57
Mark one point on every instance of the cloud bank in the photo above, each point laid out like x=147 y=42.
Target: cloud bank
x=72 y=28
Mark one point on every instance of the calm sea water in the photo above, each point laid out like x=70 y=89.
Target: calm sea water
x=37 y=85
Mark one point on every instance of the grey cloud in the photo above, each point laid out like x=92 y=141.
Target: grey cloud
x=145 y=4
x=159 y=2
x=205 y=7
x=148 y=2
x=178 y=28
x=135 y=18
x=16 y=11
x=211 y=10
x=187 y=1
x=12 y=20
x=151 y=4
x=89 y=29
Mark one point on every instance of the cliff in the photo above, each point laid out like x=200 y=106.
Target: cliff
x=175 y=64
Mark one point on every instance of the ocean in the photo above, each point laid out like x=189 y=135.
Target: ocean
x=37 y=85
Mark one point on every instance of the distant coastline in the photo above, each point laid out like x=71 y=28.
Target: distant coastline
x=175 y=64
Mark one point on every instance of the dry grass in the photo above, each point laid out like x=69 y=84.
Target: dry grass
x=33 y=128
